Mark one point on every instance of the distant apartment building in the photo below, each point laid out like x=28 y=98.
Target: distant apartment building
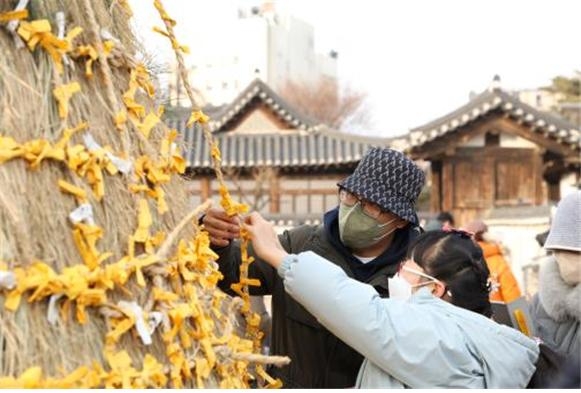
x=542 y=99
x=257 y=42
x=548 y=101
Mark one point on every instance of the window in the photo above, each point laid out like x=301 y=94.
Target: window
x=491 y=139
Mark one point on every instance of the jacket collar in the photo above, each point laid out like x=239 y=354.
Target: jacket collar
x=560 y=300
x=390 y=257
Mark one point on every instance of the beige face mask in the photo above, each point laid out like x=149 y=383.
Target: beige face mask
x=569 y=266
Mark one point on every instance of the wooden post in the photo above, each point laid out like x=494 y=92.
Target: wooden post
x=205 y=188
x=275 y=194
x=436 y=192
x=448 y=186
x=540 y=197
x=484 y=166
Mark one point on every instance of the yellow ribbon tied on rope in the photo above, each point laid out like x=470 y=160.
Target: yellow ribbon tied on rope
x=9 y=149
x=172 y=159
x=29 y=379
x=76 y=379
x=164 y=15
x=153 y=373
x=139 y=78
x=143 y=80
x=89 y=52
x=122 y=373
x=37 y=150
x=63 y=94
x=232 y=208
x=85 y=237
x=150 y=121
x=68 y=133
x=77 y=192
x=120 y=326
x=38 y=32
x=13 y=15
x=197 y=116
x=144 y=222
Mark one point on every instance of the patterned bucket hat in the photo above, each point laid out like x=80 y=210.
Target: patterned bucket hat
x=565 y=231
x=390 y=179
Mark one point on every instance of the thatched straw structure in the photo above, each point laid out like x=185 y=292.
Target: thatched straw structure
x=105 y=278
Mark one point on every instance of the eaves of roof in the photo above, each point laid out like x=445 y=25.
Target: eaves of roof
x=492 y=101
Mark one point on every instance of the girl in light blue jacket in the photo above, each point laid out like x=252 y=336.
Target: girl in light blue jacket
x=434 y=330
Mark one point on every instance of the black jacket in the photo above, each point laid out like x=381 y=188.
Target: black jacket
x=318 y=358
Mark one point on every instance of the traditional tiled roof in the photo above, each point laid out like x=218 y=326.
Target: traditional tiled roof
x=259 y=92
x=498 y=101
x=324 y=148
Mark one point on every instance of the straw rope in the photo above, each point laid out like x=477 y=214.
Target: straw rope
x=199 y=344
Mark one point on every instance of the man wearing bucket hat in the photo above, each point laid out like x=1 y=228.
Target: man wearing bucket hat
x=366 y=235
x=557 y=306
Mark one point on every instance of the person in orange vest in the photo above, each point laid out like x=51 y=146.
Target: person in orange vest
x=504 y=285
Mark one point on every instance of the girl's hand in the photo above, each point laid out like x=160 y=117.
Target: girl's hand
x=265 y=240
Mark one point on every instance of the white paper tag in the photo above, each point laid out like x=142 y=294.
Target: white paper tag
x=140 y=325
x=124 y=166
x=106 y=35
x=52 y=314
x=82 y=213
x=153 y=320
x=7 y=280
x=60 y=23
x=90 y=142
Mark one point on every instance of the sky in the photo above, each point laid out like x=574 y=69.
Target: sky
x=416 y=60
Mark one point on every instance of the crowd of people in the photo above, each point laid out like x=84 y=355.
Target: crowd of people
x=371 y=299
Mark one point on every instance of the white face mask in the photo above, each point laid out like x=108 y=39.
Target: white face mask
x=399 y=288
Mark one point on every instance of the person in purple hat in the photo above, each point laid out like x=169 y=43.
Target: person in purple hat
x=366 y=235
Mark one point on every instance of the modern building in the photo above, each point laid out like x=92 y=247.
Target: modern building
x=546 y=99
x=260 y=43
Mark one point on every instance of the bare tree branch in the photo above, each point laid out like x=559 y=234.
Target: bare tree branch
x=324 y=103
x=258 y=197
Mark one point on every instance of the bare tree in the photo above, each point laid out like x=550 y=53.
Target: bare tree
x=324 y=103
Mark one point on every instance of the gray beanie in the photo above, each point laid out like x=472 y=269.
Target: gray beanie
x=565 y=231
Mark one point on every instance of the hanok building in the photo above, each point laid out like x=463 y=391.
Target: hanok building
x=495 y=154
x=494 y=158
x=503 y=161
x=275 y=160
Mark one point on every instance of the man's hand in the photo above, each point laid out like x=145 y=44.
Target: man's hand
x=221 y=227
